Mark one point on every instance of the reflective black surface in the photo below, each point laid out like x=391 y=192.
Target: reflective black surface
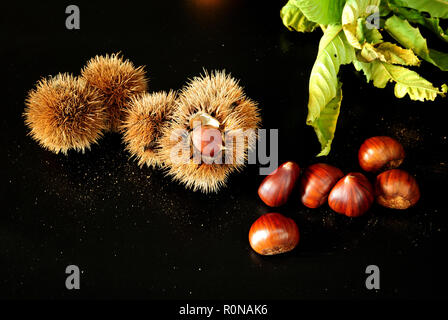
x=136 y=234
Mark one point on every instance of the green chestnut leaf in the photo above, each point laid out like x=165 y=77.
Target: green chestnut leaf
x=294 y=19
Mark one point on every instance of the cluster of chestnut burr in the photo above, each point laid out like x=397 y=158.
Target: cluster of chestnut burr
x=198 y=135
x=351 y=195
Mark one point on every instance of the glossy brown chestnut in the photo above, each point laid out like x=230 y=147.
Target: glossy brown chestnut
x=207 y=140
x=396 y=189
x=379 y=153
x=273 y=233
x=316 y=183
x=352 y=195
x=277 y=187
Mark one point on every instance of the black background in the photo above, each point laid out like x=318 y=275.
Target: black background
x=136 y=234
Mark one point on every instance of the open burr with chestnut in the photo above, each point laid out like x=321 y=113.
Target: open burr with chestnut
x=213 y=128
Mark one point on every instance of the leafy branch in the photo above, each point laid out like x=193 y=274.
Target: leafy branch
x=350 y=38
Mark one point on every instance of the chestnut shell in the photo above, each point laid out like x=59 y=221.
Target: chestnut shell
x=316 y=183
x=273 y=233
x=380 y=153
x=207 y=140
x=352 y=195
x=276 y=188
x=396 y=189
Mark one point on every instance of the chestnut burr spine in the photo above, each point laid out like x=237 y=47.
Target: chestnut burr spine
x=64 y=113
x=144 y=121
x=273 y=233
x=276 y=188
x=118 y=81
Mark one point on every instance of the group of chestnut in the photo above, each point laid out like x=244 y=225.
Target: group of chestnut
x=351 y=195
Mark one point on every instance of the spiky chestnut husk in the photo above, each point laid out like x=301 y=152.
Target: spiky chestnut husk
x=219 y=96
x=145 y=119
x=63 y=112
x=118 y=80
